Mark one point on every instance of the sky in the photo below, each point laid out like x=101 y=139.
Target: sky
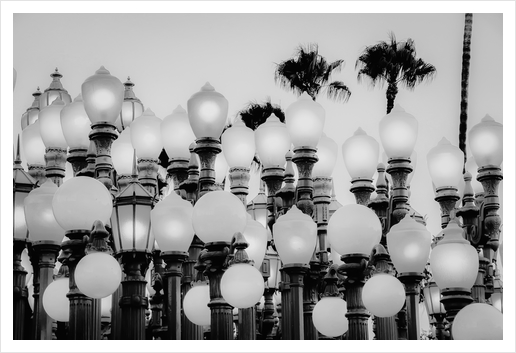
x=170 y=56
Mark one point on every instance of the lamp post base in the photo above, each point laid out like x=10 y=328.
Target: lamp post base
x=296 y=273
x=411 y=282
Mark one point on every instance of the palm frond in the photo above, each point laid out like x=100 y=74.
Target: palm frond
x=338 y=91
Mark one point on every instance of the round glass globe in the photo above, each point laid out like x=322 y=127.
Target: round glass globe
x=242 y=285
x=32 y=145
x=98 y=275
x=207 y=112
x=305 y=121
x=146 y=135
x=383 y=295
x=122 y=153
x=272 y=142
x=238 y=145
x=177 y=134
x=55 y=302
x=195 y=304
x=221 y=168
x=478 y=321
x=329 y=316
x=81 y=201
x=50 y=125
x=217 y=216
x=105 y=306
x=327 y=150
x=486 y=142
x=360 y=153
x=75 y=124
x=398 y=133
x=256 y=235
x=445 y=163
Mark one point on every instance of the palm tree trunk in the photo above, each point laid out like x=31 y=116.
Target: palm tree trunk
x=466 y=48
x=392 y=91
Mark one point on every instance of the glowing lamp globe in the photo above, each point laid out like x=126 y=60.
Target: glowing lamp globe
x=146 y=135
x=171 y=221
x=98 y=275
x=177 y=134
x=75 y=124
x=360 y=153
x=486 y=142
x=80 y=201
x=195 y=304
x=432 y=295
x=398 y=133
x=221 y=168
x=409 y=245
x=55 y=302
x=354 y=229
x=122 y=152
x=217 y=216
x=383 y=295
x=27 y=265
x=454 y=262
x=50 y=125
x=445 y=163
x=329 y=316
x=238 y=145
x=103 y=95
x=272 y=142
x=295 y=236
x=32 y=145
x=39 y=214
x=105 y=306
x=305 y=121
x=256 y=236
x=327 y=150
x=478 y=321
x=207 y=111
x=242 y=285
x=472 y=168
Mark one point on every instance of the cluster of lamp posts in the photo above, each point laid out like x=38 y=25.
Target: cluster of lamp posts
x=297 y=222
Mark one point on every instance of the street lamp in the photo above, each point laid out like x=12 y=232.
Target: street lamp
x=76 y=128
x=54 y=91
x=122 y=151
x=132 y=107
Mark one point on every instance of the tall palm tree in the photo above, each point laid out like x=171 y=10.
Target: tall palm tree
x=309 y=72
x=466 y=49
x=393 y=63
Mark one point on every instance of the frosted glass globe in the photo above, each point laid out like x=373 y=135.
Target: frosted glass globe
x=305 y=121
x=478 y=321
x=217 y=216
x=329 y=316
x=80 y=201
x=398 y=133
x=32 y=145
x=445 y=163
x=105 y=306
x=238 y=145
x=122 y=153
x=256 y=235
x=242 y=285
x=327 y=150
x=177 y=134
x=383 y=295
x=146 y=135
x=207 y=112
x=75 y=124
x=486 y=142
x=195 y=304
x=55 y=302
x=360 y=153
x=50 y=125
x=221 y=168
x=272 y=142
x=98 y=275
x=26 y=264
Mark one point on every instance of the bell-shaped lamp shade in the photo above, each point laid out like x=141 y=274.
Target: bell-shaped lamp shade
x=454 y=262
x=354 y=229
x=177 y=134
x=432 y=295
x=217 y=216
x=26 y=264
x=329 y=316
x=171 y=221
x=305 y=121
x=398 y=133
x=478 y=321
x=295 y=236
x=221 y=168
x=55 y=302
x=50 y=125
x=486 y=142
x=383 y=295
x=409 y=245
x=242 y=285
x=445 y=163
x=256 y=236
x=98 y=275
x=360 y=153
x=122 y=153
x=54 y=91
x=75 y=124
x=195 y=304
x=80 y=201
x=327 y=150
x=39 y=214
x=32 y=145
x=272 y=142
x=146 y=135
x=238 y=145
x=207 y=111
x=103 y=95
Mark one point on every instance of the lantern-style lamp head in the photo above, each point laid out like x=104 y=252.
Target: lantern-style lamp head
x=256 y=235
x=295 y=236
x=207 y=111
x=122 y=153
x=177 y=134
x=409 y=245
x=360 y=153
x=132 y=107
x=33 y=146
x=445 y=163
x=32 y=113
x=327 y=150
x=146 y=135
x=54 y=91
x=75 y=124
x=238 y=145
x=305 y=121
x=432 y=295
x=23 y=184
x=398 y=133
x=272 y=142
x=103 y=95
x=50 y=125
x=453 y=260
x=275 y=264
x=486 y=142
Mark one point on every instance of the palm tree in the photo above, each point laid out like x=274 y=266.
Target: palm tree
x=309 y=72
x=395 y=63
x=466 y=48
